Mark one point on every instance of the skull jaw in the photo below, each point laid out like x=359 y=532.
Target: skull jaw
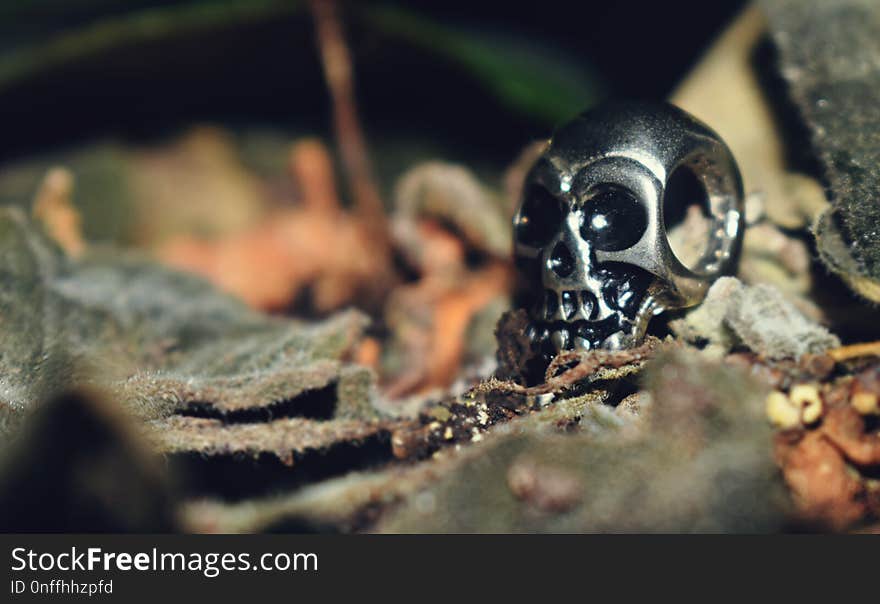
x=550 y=338
x=616 y=330
x=559 y=336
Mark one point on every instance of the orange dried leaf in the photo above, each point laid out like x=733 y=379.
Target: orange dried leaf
x=54 y=209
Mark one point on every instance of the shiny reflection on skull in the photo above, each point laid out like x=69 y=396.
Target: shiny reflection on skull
x=590 y=238
x=582 y=303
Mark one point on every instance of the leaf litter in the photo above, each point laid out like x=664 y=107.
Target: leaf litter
x=419 y=412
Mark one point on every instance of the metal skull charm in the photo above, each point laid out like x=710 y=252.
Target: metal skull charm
x=593 y=234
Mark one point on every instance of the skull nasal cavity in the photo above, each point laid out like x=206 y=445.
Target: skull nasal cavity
x=561 y=260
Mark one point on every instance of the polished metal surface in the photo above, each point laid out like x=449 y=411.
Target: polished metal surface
x=591 y=235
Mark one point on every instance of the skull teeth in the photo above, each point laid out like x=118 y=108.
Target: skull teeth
x=554 y=337
x=589 y=306
x=551 y=306
x=560 y=339
x=582 y=343
x=569 y=306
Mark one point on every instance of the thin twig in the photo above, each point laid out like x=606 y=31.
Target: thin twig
x=854 y=351
x=588 y=363
x=336 y=61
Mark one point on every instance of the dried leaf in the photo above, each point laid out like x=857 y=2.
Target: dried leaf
x=829 y=464
x=846 y=429
x=824 y=56
x=315 y=247
x=450 y=194
x=158 y=339
x=54 y=208
x=824 y=490
x=286 y=438
x=430 y=322
x=195 y=183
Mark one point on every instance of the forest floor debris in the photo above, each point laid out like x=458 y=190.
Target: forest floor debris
x=328 y=432
x=758 y=412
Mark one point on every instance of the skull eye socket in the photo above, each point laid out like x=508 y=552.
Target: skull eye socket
x=539 y=217
x=686 y=216
x=613 y=219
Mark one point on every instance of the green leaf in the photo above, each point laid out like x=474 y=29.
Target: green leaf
x=520 y=75
x=36 y=53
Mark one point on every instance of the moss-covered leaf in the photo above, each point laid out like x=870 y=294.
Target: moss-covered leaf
x=159 y=340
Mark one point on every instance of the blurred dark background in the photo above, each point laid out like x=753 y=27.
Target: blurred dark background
x=469 y=79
